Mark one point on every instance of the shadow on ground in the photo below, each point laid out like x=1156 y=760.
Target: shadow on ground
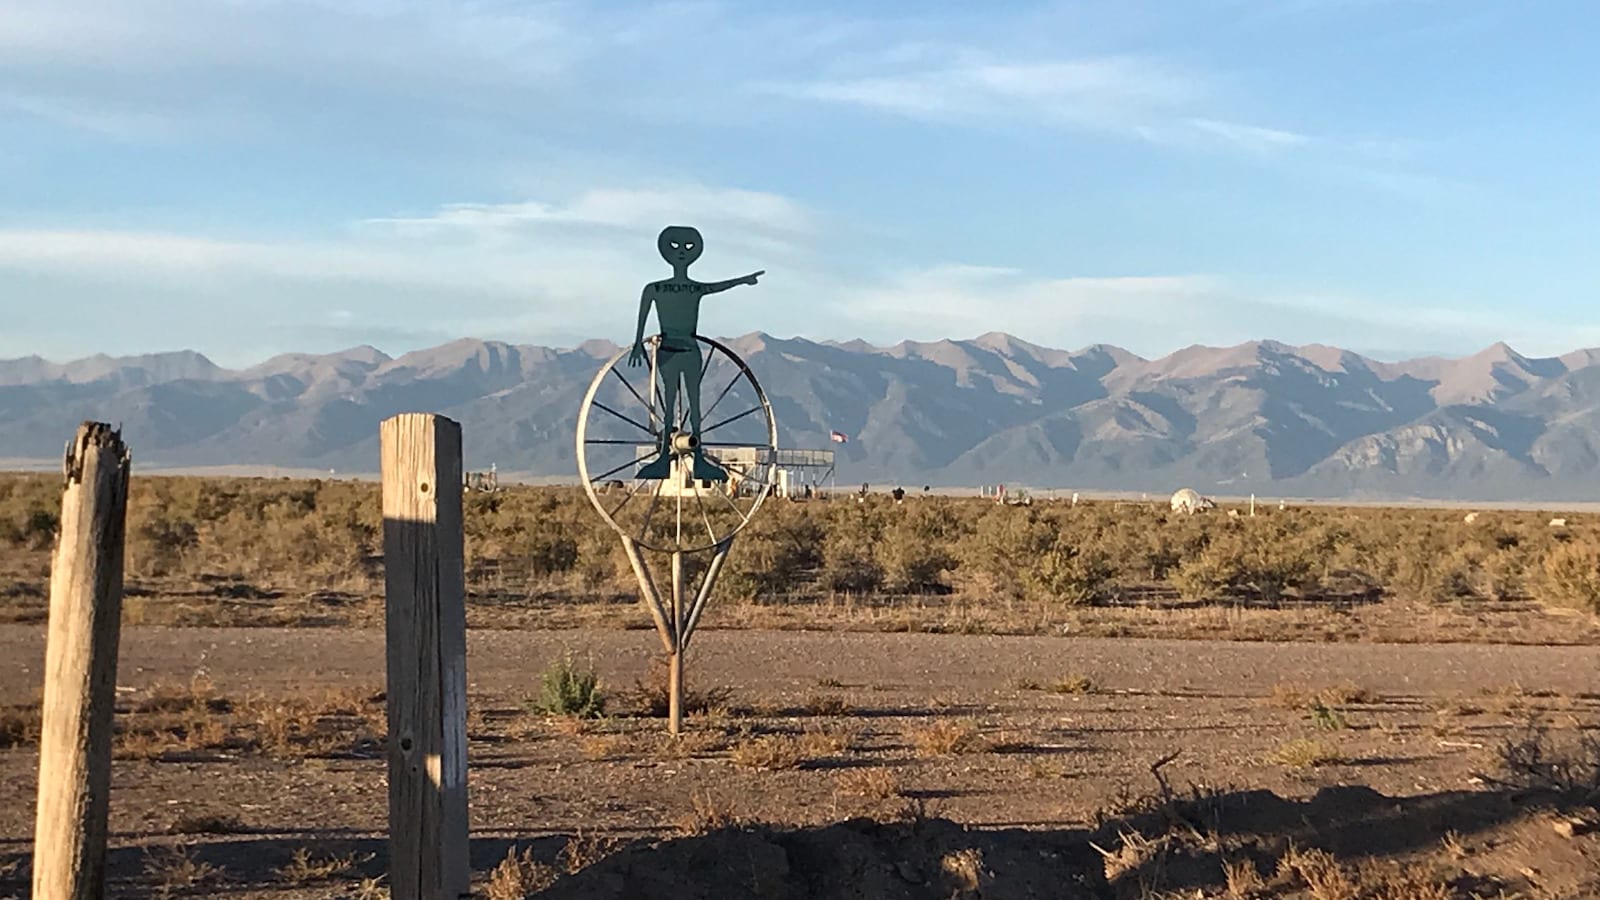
x=1174 y=847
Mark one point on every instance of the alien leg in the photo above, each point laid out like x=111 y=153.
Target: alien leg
x=661 y=466
x=704 y=469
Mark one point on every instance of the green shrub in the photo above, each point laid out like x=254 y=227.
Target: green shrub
x=564 y=690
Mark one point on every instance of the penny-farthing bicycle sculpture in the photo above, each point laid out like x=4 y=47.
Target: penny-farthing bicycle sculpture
x=676 y=445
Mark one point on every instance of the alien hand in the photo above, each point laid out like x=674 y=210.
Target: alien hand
x=636 y=357
x=751 y=278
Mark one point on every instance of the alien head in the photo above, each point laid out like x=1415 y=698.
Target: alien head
x=679 y=245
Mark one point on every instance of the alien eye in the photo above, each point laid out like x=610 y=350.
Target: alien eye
x=674 y=245
x=688 y=246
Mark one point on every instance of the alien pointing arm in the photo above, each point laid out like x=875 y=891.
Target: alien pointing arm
x=717 y=287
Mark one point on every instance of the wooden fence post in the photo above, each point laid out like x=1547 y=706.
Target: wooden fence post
x=69 y=843
x=425 y=608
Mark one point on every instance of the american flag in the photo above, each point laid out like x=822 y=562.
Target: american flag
x=838 y=437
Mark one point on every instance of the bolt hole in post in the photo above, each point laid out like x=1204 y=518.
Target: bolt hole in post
x=698 y=472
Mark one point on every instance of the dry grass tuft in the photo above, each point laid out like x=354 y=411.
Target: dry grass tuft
x=825 y=705
x=305 y=868
x=769 y=752
x=174 y=870
x=597 y=747
x=1135 y=853
x=964 y=871
x=518 y=877
x=20 y=725
x=870 y=782
x=1322 y=875
x=1243 y=879
x=817 y=742
x=1325 y=878
x=706 y=814
x=1075 y=683
x=1305 y=753
x=944 y=737
x=1294 y=697
x=584 y=850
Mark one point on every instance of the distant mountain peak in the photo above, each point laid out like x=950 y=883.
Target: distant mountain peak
x=994 y=408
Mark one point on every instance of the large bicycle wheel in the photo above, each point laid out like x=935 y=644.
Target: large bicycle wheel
x=621 y=427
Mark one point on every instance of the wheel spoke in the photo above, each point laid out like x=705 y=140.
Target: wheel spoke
x=633 y=422
x=713 y=407
x=609 y=472
x=704 y=516
x=629 y=385
x=655 y=497
x=613 y=441
x=732 y=419
x=639 y=484
x=734 y=506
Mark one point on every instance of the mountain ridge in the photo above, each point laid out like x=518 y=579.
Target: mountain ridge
x=1313 y=420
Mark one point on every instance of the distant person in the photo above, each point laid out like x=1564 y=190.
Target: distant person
x=899 y=494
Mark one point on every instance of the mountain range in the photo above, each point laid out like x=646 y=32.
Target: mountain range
x=1260 y=417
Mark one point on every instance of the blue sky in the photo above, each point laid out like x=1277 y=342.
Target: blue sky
x=247 y=177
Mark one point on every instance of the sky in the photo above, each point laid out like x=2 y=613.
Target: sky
x=250 y=177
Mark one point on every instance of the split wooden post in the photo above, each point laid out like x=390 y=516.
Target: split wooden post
x=69 y=848
x=425 y=613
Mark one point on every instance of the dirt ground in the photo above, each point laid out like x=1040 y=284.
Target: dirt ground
x=839 y=764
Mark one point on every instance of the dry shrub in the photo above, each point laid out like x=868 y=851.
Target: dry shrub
x=518 y=876
x=944 y=737
x=20 y=725
x=825 y=705
x=1076 y=683
x=871 y=782
x=769 y=752
x=1534 y=759
x=1323 y=876
x=706 y=814
x=819 y=742
x=1572 y=576
x=848 y=563
x=652 y=697
x=1305 y=753
x=597 y=747
x=177 y=719
x=697 y=742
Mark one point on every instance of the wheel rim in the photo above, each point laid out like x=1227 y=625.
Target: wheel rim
x=622 y=413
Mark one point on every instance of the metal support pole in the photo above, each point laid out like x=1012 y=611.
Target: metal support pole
x=675 y=663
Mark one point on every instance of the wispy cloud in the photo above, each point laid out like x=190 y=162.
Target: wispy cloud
x=1253 y=138
x=1103 y=92
x=1135 y=96
x=1155 y=314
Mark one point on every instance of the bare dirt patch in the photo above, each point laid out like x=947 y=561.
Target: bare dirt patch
x=840 y=764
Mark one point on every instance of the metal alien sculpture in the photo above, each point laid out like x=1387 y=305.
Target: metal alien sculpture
x=678 y=359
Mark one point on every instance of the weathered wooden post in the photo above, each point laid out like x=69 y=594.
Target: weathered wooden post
x=425 y=608
x=69 y=845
